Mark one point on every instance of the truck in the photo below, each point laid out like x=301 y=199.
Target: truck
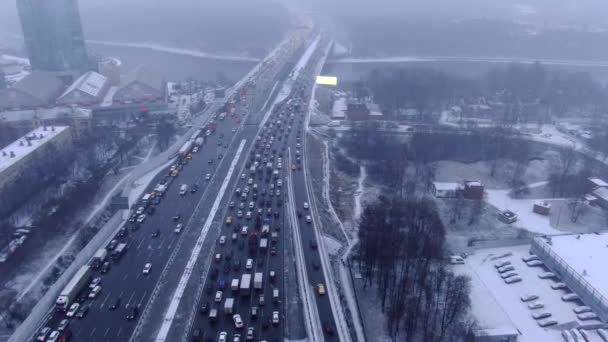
x=229 y=306
x=118 y=251
x=199 y=141
x=234 y=285
x=263 y=244
x=71 y=290
x=146 y=198
x=185 y=149
x=258 y=280
x=98 y=259
x=160 y=189
x=196 y=134
x=245 y=285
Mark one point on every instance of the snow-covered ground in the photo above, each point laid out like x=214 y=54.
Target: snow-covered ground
x=175 y=50
x=496 y=304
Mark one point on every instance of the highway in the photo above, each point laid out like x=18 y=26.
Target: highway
x=189 y=267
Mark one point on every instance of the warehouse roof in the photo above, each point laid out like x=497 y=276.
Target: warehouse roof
x=91 y=83
x=40 y=85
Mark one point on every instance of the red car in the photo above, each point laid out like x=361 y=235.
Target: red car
x=273 y=251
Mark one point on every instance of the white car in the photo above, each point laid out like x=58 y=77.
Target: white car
x=140 y=210
x=513 y=280
x=208 y=176
x=581 y=309
x=536 y=305
x=95 y=291
x=530 y=258
x=249 y=264
x=73 y=309
x=147 y=268
x=546 y=275
x=570 y=297
x=238 y=322
x=308 y=219
x=248 y=215
x=587 y=316
x=534 y=263
x=559 y=286
x=506 y=269
x=63 y=324
x=218 y=296
x=508 y=275
x=141 y=218
x=195 y=149
x=251 y=205
x=178 y=228
x=546 y=322
x=223 y=337
x=53 y=337
x=528 y=297
x=306 y=205
x=244 y=230
x=541 y=315
x=502 y=264
x=275 y=317
x=222 y=239
x=42 y=335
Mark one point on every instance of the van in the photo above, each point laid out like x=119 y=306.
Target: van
x=183 y=189
x=275 y=295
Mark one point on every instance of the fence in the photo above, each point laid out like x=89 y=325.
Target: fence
x=588 y=294
x=41 y=311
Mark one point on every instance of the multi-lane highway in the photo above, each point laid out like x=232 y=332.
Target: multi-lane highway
x=222 y=216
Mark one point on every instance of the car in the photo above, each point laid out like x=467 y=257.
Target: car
x=105 y=267
x=63 y=324
x=321 y=289
x=547 y=275
x=570 y=297
x=329 y=329
x=581 y=309
x=506 y=269
x=222 y=240
x=132 y=313
x=239 y=214
x=178 y=228
x=231 y=205
x=528 y=297
x=194 y=189
x=559 y=286
x=254 y=312
x=141 y=218
x=262 y=300
x=308 y=219
x=543 y=323
x=536 y=305
x=273 y=251
x=244 y=230
x=112 y=245
x=210 y=161
x=140 y=210
x=208 y=176
x=156 y=233
x=530 y=258
x=535 y=263
x=502 y=264
x=82 y=312
x=238 y=322
x=249 y=264
x=541 y=315
x=229 y=220
x=223 y=337
x=151 y=210
x=587 y=316
x=275 y=317
x=313 y=244
x=306 y=205
x=512 y=280
x=234 y=236
x=218 y=257
x=147 y=268
x=95 y=291
x=115 y=304
x=72 y=310
x=248 y=215
x=53 y=337
x=218 y=296
x=176 y=217
x=96 y=281
x=508 y=274
x=43 y=334
x=315 y=264
x=204 y=308
x=250 y=333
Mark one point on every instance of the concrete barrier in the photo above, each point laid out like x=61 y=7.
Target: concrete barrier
x=40 y=313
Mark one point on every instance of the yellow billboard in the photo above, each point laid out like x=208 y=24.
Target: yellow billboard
x=327 y=80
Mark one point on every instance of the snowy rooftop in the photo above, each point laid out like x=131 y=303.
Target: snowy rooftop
x=20 y=147
x=446 y=186
x=601 y=193
x=109 y=98
x=497 y=305
x=598 y=182
x=586 y=254
x=90 y=82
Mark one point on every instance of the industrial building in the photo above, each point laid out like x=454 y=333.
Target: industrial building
x=88 y=90
x=36 y=90
x=579 y=261
x=27 y=162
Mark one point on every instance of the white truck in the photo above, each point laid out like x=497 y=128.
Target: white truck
x=99 y=257
x=70 y=291
x=263 y=244
x=229 y=306
x=118 y=251
x=245 y=285
x=258 y=280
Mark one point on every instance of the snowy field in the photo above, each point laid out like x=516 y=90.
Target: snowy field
x=496 y=304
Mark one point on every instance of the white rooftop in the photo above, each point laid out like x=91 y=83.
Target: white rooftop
x=90 y=82
x=598 y=182
x=109 y=98
x=20 y=147
x=586 y=254
x=339 y=108
x=447 y=186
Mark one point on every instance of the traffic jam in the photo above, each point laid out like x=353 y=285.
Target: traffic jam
x=244 y=289
x=83 y=292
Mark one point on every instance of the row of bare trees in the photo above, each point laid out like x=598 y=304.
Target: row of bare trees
x=402 y=256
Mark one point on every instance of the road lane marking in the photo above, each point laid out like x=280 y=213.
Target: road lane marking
x=119 y=332
x=93 y=332
x=105 y=300
x=142 y=298
x=181 y=286
x=140 y=243
x=130 y=299
x=107 y=331
x=125 y=277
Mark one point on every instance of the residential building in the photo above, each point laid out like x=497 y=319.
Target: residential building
x=473 y=190
x=29 y=162
x=53 y=35
x=78 y=119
